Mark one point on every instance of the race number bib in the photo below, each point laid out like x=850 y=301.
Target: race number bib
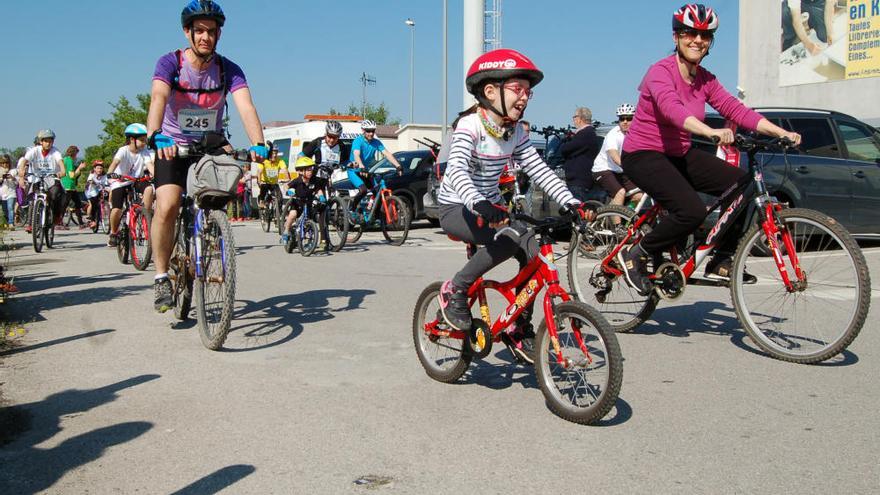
x=271 y=173
x=196 y=121
x=332 y=157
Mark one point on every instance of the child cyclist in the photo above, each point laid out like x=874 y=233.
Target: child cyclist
x=486 y=138
x=301 y=190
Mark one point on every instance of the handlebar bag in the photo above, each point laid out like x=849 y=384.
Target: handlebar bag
x=214 y=181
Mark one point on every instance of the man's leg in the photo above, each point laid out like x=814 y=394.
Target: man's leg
x=162 y=228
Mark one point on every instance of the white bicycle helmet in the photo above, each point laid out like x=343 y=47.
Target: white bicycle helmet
x=626 y=109
x=45 y=134
x=333 y=128
x=368 y=125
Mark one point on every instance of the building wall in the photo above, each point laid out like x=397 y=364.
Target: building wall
x=760 y=33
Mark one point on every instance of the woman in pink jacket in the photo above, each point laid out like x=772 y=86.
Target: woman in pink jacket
x=657 y=153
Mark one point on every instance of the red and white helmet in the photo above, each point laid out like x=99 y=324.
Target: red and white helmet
x=695 y=16
x=499 y=65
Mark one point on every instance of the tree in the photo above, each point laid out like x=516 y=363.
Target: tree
x=15 y=154
x=123 y=114
x=380 y=115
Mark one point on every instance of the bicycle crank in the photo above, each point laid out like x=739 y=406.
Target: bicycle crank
x=479 y=339
x=670 y=281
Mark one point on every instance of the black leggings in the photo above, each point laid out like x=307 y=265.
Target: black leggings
x=674 y=182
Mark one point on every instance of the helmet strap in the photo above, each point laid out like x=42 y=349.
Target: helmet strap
x=507 y=124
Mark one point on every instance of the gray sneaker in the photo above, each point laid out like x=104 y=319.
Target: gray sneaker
x=162 y=292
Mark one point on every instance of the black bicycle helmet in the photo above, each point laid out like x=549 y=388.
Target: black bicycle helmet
x=202 y=9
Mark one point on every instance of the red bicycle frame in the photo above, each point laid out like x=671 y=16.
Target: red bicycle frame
x=541 y=271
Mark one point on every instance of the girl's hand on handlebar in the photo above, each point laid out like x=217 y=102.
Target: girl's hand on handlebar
x=721 y=136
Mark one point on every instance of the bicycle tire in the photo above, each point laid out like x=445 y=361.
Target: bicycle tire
x=214 y=291
x=123 y=246
x=141 y=246
x=264 y=220
x=308 y=237
x=827 y=292
x=49 y=234
x=355 y=231
x=37 y=213
x=178 y=271
x=105 y=216
x=397 y=231
x=605 y=362
x=290 y=245
x=335 y=220
x=279 y=218
x=454 y=364
x=619 y=303
x=97 y=222
x=21 y=216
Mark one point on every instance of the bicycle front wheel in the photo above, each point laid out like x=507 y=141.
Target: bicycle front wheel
x=141 y=248
x=335 y=219
x=824 y=310
x=105 y=216
x=215 y=289
x=584 y=385
x=265 y=221
x=623 y=307
x=443 y=357
x=394 y=218
x=38 y=211
x=123 y=243
x=307 y=237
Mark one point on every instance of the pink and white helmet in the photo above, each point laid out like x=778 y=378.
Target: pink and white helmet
x=695 y=16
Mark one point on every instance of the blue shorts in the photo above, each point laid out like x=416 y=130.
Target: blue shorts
x=356 y=181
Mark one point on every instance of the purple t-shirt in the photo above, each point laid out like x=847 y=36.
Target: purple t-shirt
x=189 y=115
x=666 y=100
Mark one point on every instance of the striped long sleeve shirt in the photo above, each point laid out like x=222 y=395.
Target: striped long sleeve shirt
x=476 y=161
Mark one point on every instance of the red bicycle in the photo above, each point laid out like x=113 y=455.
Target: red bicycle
x=577 y=362
x=134 y=230
x=811 y=288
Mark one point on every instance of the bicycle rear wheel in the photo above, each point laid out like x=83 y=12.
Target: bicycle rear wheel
x=49 y=233
x=265 y=222
x=38 y=211
x=105 y=216
x=584 y=386
x=444 y=358
x=279 y=218
x=215 y=289
x=307 y=237
x=394 y=220
x=335 y=218
x=141 y=248
x=823 y=313
x=623 y=307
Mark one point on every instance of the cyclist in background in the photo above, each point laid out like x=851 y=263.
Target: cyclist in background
x=363 y=155
x=657 y=153
x=68 y=182
x=268 y=174
x=302 y=190
x=41 y=160
x=327 y=150
x=95 y=185
x=486 y=138
x=133 y=160
x=188 y=99
x=606 y=167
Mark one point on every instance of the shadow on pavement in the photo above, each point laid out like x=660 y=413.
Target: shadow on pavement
x=279 y=319
x=29 y=307
x=501 y=375
x=218 y=480
x=50 y=343
x=27 y=469
x=44 y=283
x=677 y=321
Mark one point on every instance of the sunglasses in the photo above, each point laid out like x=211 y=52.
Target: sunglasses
x=519 y=91
x=369 y=131
x=693 y=33
x=331 y=136
x=627 y=118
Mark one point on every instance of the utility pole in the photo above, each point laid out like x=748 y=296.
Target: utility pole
x=412 y=48
x=445 y=71
x=366 y=79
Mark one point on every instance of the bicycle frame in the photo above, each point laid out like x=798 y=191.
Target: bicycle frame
x=737 y=198
x=381 y=194
x=539 y=273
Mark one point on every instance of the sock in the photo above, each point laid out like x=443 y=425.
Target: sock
x=160 y=276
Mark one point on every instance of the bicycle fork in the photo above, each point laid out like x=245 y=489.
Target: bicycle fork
x=771 y=226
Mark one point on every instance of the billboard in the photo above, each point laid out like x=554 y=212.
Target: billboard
x=829 y=40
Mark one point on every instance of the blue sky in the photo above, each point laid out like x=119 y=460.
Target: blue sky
x=301 y=57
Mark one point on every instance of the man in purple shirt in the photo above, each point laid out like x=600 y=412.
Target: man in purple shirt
x=188 y=100
x=657 y=153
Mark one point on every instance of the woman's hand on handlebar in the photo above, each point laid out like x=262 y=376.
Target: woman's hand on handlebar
x=721 y=136
x=794 y=137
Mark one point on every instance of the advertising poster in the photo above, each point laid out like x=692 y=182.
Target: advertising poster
x=829 y=40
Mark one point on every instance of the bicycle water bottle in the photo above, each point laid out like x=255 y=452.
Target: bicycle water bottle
x=369 y=201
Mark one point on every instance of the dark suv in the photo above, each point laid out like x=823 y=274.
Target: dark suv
x=836 y=170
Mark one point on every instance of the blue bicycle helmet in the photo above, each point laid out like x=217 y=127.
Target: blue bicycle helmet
x=134 y=130
x=202 y=9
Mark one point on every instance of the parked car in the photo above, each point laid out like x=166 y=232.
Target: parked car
x=836 y=170
x=411 y=186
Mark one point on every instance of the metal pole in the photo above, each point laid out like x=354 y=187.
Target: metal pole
x=445 y=72
x=412 y=49
x=473 y=42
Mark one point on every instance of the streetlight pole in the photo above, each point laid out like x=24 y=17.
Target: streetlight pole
x=444 y=70
x=412 y=48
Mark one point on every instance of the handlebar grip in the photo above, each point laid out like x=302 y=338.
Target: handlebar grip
x=716 y=139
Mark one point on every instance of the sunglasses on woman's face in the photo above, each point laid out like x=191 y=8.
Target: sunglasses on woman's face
x=693 y=33
x=625 y=118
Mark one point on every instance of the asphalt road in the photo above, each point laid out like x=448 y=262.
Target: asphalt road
x=320 y=386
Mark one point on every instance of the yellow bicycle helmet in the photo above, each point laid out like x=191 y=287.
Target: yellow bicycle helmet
x=303 y=162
